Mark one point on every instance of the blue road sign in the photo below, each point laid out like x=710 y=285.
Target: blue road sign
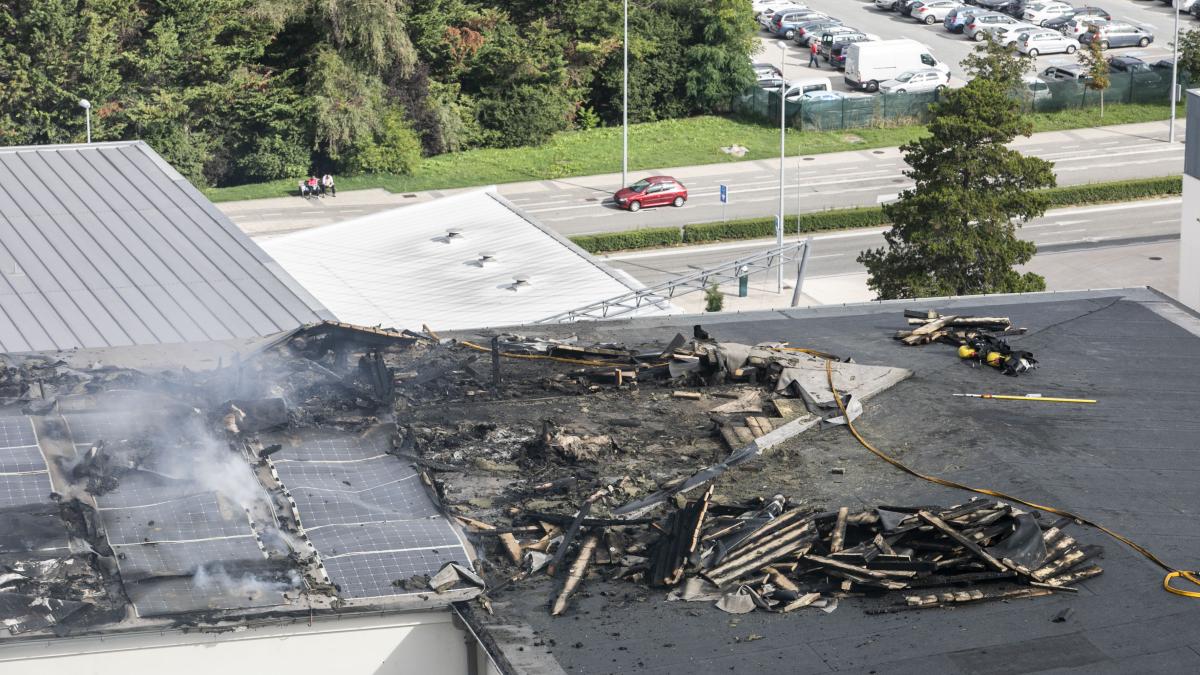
x=724 y=194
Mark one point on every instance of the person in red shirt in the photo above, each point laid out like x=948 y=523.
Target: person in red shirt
x=814 y=48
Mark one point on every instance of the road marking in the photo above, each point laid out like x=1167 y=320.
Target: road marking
x=1109 y=155
x=1057 y=223
x=1168 y=220
x=758 y=243
x=1106 y=166
x=1116 y=207
x=887 y=198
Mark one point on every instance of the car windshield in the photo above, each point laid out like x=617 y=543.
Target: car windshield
x=640 y=186
x=905 y=77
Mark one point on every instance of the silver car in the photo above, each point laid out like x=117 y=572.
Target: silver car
x=934 y=11
x=982 y=24
x=1046 y=41
x=927 y=79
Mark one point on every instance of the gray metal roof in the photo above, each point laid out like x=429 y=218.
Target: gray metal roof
x=107 y=245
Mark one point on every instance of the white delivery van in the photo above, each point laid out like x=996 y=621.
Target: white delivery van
x=869 y=63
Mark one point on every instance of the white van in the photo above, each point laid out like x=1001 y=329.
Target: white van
x=869 y=63
x=808 y=85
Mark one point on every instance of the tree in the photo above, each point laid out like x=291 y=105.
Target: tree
x=1189 y=55
x=1093 y=61
x=954 y=233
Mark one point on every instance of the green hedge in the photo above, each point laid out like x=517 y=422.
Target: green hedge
x=752 y=228
x=1115 y=191
x=650 y=237
x=842 y=219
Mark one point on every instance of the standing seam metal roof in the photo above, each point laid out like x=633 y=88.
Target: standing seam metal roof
x=106 y=245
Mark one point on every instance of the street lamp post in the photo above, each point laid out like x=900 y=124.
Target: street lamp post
x=783 y=92
x=1174 y=74
x=625 y=105
x=87 y=112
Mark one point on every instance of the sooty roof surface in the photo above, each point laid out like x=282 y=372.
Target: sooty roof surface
x=1129 y=462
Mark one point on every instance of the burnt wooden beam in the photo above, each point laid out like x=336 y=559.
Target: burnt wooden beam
x=966 y=542
x=838 y=538
x=578 y=568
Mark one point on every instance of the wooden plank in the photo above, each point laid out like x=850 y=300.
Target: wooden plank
x=789 y=408
x=926 y=331
x=731 y=439
x=838 y=538
x=966 y=542
x=743 y=434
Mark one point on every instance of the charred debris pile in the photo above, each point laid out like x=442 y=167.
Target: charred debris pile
x=610 y=516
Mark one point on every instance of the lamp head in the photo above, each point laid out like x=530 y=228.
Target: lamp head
x=84 y=103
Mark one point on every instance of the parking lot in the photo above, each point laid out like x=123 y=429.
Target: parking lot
x=952 y=48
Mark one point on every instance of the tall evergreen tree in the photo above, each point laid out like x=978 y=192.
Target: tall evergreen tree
x=954 y=232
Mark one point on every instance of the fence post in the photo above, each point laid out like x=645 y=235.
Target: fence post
x=843 y=112
x=1131 y=86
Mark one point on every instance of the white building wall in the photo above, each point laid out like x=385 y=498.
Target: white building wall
x=417 y=644
x=1189 y=244
x=1189 y=225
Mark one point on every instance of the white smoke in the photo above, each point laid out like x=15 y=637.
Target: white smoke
x=216 y=578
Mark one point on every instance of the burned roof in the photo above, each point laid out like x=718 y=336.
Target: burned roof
x=267 y=486
x=106 y=245
x=1121 y=461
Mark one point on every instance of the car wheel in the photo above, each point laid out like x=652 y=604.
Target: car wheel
x=634 y=207
x=1070 y=49
x=1033 y=53
x=978 y=37
x=1143 y=42
x=1104 y=44
x=788 y=35
x=873 y=86
x=899 y=91
x=677 y=202
x=940 y=88
x=929 y=20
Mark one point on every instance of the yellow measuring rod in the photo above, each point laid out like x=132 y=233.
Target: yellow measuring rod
x=1030 y=397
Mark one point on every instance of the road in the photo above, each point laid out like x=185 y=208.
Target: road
x=1092 y=233
x=812 y=183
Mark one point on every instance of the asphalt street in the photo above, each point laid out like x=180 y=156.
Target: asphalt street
x=1063 y=230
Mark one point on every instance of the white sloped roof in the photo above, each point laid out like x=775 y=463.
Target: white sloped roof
x=399 y=269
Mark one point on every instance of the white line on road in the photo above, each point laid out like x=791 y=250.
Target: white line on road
x=1168 y=220
x=1091 y=154
x=759 y=243
x=1116 y=207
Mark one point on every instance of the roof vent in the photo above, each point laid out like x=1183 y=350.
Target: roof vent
x=486 y=257
x=454 y=233
x=520 y=281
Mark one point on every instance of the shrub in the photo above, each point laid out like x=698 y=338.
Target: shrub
x=751 y=228
x=396 y=149
x=714 y=300
x=650 y=237
x=1115 y=191
x=524 y=115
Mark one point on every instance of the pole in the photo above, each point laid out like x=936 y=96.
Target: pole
x=1174 y=74
x=625 y=105
x=801 y=270
x=783 y=92
x=87 y=113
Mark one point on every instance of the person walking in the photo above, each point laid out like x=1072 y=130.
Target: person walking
x=814 y=48
x=327 y=185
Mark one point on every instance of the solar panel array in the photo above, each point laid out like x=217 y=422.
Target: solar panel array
x=367 y=513
x=165 y=529
x=24 y=478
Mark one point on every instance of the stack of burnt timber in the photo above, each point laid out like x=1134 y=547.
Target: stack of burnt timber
x=954 y=329
x=785 y=557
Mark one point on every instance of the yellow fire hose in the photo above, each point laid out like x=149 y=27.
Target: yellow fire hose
x=1172 y=572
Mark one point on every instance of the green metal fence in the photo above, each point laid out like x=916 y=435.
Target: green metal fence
x=913 y=108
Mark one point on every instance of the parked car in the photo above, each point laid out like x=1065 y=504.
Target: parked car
x=1184 y=5
x=810 y=29
x=1196 y=10
x=957 y=19
x=822 y=96
x=796 y=89
x=770 y=82
x=1075 y=28
x=906 y=6
x=934 y=11
x=652 y=191
x=765 y=70
x=886 y=5
x=832 y=33
x=869 y=63
x=981 y=24
x=1113 y=34
x=829 y=42
x=1010 y=34
x=1000 y=6
x=1039 y=13
x=1046 y=42
x=928 y=79
x=1036 y=88
x=1067 y=72
x=786 y=24
x=1067 y=24
x=838 y=52
x=1167 y=63
x=1142 y=72
x=768 y=15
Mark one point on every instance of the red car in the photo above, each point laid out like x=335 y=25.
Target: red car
x=652 y=191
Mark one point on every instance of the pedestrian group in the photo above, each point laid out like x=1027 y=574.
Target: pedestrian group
x=314 y=187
